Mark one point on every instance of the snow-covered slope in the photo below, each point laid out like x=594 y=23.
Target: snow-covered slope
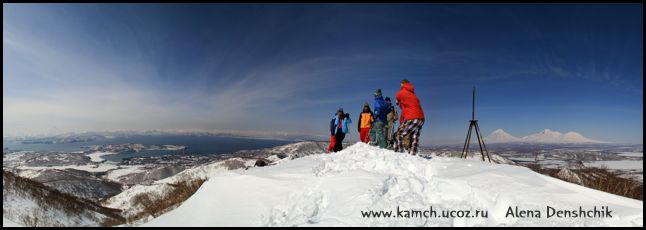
x=334 y=189
x=124 y=200
x=474 y=153
x=9 y=223
x=545 y=136
x=30 y=203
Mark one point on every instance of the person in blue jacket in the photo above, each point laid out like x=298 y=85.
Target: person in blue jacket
x=341 y=123
x=379 y=128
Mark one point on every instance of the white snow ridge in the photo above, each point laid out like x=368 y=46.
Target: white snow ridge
x=334 y=190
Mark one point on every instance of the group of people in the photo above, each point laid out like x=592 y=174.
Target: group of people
x=377 y=127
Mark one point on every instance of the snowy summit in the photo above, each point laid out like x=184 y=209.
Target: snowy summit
x=344 y=188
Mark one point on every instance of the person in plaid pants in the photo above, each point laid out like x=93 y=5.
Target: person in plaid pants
x=412 y=117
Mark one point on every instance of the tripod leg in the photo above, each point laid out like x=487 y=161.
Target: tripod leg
x=466 y=142
x=483 y=144
x=466 y=152
x=479 y=141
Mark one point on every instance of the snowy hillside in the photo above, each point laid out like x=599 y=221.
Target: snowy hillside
x=9 y=223
x=545 y=136
x=336 y=189
x=160 y=188
x=33 y=204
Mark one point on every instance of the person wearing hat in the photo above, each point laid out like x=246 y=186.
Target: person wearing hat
x=412 y=117
x=341 y=122
x=365 y=123
x=379 y=127
x=391 y=118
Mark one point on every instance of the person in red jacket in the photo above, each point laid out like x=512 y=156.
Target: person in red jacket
x=412 y=117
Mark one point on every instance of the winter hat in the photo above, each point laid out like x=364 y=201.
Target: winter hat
x=378 y=93
x=365 y=104
x=404 y=81
x=387 y=98
x=340 y=110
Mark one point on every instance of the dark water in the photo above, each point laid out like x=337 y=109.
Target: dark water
x=197 y=145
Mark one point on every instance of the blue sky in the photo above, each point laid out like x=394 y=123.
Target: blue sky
x=267 y=68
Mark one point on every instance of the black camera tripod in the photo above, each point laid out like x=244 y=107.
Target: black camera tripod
x=474 y=125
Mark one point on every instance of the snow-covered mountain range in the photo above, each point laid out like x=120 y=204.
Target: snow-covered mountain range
x=545 y=136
